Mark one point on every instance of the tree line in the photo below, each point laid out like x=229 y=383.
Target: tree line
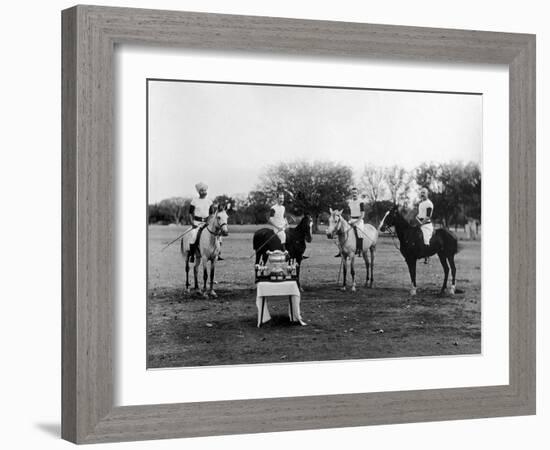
x=314 y=187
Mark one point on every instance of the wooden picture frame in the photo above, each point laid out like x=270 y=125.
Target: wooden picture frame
x=89 y=37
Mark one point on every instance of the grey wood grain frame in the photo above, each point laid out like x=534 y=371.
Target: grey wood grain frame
x=89 y=37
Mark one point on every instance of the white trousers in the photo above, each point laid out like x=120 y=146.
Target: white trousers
x=360 y=225
x=427 y=231
x=281 y=235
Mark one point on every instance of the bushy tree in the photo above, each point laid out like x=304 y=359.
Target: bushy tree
x=170 y=210
x=311 y=187
x=455 y=190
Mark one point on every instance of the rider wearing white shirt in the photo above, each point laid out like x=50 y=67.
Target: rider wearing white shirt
x=278 y=220
x=357 y=214
x=199 y=211
x=424 y=216
x=356 y=208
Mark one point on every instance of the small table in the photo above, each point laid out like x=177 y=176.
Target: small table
x=274 y=289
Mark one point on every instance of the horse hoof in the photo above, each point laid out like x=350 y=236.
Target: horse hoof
x=213 y=294
x=205 y=295
x=343 y=288
x=452 y=290
x=412 y=292
x=353 y=289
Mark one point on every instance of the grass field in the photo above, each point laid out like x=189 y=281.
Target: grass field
x=187 y=330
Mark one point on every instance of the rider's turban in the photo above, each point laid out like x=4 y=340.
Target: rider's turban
x=201 y=186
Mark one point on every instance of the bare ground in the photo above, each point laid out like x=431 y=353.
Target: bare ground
x=187 y=330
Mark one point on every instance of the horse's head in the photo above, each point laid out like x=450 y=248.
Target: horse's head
x=220 y=221
x=334 y=222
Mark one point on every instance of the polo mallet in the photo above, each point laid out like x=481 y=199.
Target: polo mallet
x=340 y=271
x=178 y=238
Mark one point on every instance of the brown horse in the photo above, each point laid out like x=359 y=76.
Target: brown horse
x=265 y=240
x=412 y=247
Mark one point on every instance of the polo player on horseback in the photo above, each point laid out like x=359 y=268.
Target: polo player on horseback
x=424 y=216
x=199 y=211
x=356 y=208
x=278 y=220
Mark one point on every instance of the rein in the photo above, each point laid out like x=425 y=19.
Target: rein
x=341 y=231
x=215 y=233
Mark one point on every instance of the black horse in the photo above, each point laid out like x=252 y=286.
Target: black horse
x=265 y=240
x=412 y=247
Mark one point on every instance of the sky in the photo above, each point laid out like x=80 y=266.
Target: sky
x=226 y=134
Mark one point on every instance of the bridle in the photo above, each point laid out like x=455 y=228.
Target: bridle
x=393 y=234
x=219 y=228
x=338 y=228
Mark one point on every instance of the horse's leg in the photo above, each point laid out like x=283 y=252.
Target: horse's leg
x=443 y=260
x=298 y=264
x=372 y=253
x=196 y=273
x=187 y=272
x=212 y=270
x=412 y=272
x=204 y=276
x=344 y=270
x=367 y=264
x=352 y=271
x=451 y=259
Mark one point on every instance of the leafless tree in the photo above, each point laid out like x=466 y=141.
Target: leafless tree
x=372 y=183
x=399 y=184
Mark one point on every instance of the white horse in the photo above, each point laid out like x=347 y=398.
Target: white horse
x=208 y=249
x=347 y=244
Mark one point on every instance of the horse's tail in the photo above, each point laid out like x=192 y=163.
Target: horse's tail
x=260 y=237
x=382 y=221
x=450 y=240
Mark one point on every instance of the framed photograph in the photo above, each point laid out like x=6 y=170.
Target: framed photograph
x=277 y=224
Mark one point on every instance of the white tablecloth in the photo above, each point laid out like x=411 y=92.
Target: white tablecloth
x=289 y=289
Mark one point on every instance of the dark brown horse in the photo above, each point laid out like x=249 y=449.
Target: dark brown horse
x=264 y=239
x=443 y=243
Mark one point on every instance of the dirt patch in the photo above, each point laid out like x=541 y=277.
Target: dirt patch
x=187 y=330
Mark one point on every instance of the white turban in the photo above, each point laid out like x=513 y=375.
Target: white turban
x=201 y=186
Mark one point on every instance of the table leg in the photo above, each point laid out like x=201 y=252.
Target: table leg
x=262 y=313
x=291 y=309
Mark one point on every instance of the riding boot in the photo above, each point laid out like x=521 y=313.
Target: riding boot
x=220 y=258
x=359 y=250
x=338 y=255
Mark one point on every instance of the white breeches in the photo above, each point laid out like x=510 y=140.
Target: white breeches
x=360 y=225
x=427 y=231
x=193 y=233
x=281 y=235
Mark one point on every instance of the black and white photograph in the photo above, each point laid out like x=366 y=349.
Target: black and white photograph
x=290 y=223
